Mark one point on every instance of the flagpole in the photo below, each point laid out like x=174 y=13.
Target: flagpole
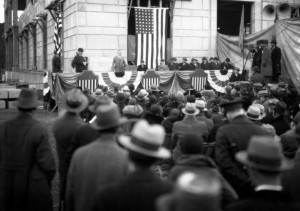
x=241 y=36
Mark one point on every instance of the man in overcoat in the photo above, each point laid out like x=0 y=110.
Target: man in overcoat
x=184 y=65
x=232 y=138
x=27 y=164
x=266 y=62
x=140 y=189
x=276 y=59
x=64 y=128
x=99 y=164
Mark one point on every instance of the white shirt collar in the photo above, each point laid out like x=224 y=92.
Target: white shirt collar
x=269 y=187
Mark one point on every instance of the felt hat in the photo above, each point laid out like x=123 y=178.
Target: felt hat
x=274 y=41
x=80 y=50
x=191 y=143
x=216 y=58
x=194 y=189
x=162 y=60
x=227 y=60
x=232 y=105
x=174 y=59
x=194 y=59
x=190 y=109
x=110 y=94
x=98 y=92
x=108 y=116
x=101 y=100
x=263 y=93
x=211 y=58
x=156 y=110
x=74 y=101
x=190 y=99
x=264 y=153
x=120 y=97
x=253 y=113
x=184 y=58
x=27 y=99
x=204 y=58
x=228 y=88
x=257 y=86
x=146 y=139
x=126 y=89
x=154 y=87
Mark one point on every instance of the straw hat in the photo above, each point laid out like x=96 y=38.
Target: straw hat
x=146 y=139
x=264 y=153
x=190 y=109
x=74 y=101
x=27 y=99
x=253 y=113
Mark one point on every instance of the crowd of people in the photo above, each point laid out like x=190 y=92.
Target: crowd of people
x=136 y=149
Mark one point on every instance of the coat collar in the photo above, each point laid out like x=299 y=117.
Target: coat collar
x=141 y=176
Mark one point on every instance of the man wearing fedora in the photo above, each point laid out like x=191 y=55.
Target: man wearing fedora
x=276 y=60
x=27 y=164
x=99 y=164
x=140 y=189
x=162 y=66
x=188 y=124
x=64 y=128
x=204 y=64
x=142 y=67
x=184 y=65
x=194 y=64
x=265 y=164
x=172 y=64
x=231 y=138
x=79 y=62
x=266 y=62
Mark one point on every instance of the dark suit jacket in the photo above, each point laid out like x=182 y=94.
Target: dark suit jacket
x=194 y=66
x=257 y=78
x=280 y=124
x=185 y=66
x=234 y=78
x=77 y=63
x=172 y=66
x=276 y=58
x=264 y=200
x=26 y=165
x=138 y=192
x=56 y=68
x=204 y=66
x=230 y=139
x=142 y=68
x=291 y=181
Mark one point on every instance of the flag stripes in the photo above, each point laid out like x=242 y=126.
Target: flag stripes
x=147 y=82
x=57 y=29
x=90 y=84
x=151 y=35
x=198 y=83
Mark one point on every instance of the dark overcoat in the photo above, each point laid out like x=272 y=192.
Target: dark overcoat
x=230 y=139
x=27 y=165
x=77 y=63
x=276 y=59
x=184 y=66
x=264 y=200
x=64 y=129
x=138 y=192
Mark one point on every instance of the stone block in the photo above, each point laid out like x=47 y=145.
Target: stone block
x=205 y=44
x=13 y=93
x=81 y=41
x=177 y=42
x=194 y=5
x=3 y=94
x=123 y=20
x=2 y=104
x=184 y=12
x=213 y=4
x=191 y=23
x=102 y=42
x=206 y=24
x=123 y=2
x=178 y=4
x=81 y=18
x=192 y=43
x=115 y=9
x=123 y=44
x=177 y=22
x=92 y=7
x=206 y=4
x=115 y=31
x=102 y=19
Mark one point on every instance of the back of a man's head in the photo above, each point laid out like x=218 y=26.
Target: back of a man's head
x=141 y=161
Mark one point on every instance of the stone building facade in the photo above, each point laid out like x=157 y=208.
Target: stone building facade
x=101 y=28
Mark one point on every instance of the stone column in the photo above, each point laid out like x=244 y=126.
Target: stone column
x=15 y=36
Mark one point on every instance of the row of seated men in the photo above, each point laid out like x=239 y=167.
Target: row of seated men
x=212 y=64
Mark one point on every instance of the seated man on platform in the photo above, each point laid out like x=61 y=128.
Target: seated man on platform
x=173 y=65
x=194 y=64
x=204 y=65
x=236 y=76
x=118 y=64
x=184 y=65
x=162 y=66
x=226 y=65
x=142 y=67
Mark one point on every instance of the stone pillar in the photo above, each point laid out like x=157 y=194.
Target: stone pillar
x=15 y=36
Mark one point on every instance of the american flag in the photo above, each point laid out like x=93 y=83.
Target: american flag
x=150 y=35
x=57 y=29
